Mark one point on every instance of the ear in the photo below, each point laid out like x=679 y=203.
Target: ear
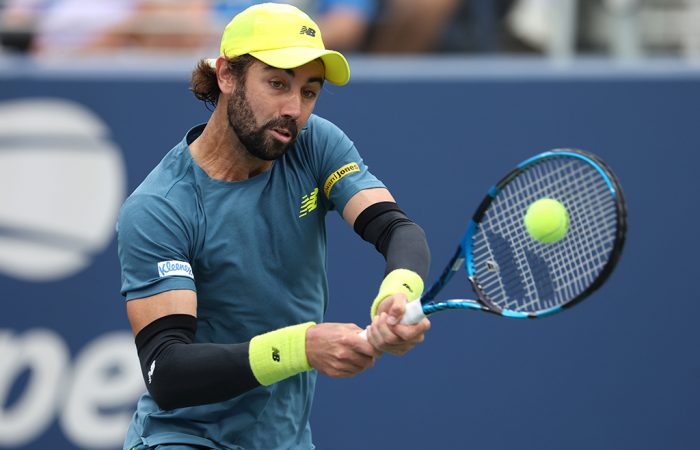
x=226 y=80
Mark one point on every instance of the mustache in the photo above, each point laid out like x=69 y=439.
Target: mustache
x=284 y=122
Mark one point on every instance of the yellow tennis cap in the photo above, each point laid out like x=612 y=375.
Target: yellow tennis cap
x=281 y=36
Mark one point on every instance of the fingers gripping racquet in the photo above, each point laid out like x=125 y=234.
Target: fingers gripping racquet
x=517 y=275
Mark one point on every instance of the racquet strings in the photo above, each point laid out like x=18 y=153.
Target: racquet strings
x=516 y=272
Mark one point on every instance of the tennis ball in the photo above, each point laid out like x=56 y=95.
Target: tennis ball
x=547 y=220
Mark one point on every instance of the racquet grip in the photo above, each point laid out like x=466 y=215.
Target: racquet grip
x=412 y=315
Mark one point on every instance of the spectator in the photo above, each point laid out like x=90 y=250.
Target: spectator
x=18 y=21
x=479 y=26
x=165 y=26
x=60 y=28
x=77 y=27
x=64 y=27
x=411 y=26
x=344 y=23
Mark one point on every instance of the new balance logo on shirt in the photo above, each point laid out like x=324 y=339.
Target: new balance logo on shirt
x=308 y=203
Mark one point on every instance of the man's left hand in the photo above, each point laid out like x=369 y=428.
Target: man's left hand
x=387 y=334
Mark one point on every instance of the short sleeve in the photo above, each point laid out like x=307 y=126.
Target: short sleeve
x=154 y=242
x=342 y=171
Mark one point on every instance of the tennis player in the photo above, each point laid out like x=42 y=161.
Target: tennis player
x=223 y=250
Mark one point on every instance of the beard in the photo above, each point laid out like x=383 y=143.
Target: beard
x=257 y=141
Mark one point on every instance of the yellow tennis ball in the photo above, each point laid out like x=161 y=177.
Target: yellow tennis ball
x=547 y=220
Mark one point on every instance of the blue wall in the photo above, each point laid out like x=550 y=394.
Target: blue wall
x=619 y=371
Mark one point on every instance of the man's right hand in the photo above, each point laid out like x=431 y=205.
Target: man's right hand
x=337 y=349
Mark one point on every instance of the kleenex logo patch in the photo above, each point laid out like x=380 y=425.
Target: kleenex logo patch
x=175 y=268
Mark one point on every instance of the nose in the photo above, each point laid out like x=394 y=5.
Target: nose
x=291 y=107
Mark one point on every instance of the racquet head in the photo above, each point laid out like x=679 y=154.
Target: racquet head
x=518 y=276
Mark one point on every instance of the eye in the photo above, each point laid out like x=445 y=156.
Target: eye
x=309 y=94
x=276 y=84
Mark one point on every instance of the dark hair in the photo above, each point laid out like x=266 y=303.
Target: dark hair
x=204 y=84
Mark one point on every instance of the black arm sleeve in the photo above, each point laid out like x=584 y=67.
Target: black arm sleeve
x=179 y=373
x=395 y=236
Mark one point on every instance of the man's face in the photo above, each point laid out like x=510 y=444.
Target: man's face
x=282 y=101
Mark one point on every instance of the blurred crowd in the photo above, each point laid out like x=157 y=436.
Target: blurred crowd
x=61 y=28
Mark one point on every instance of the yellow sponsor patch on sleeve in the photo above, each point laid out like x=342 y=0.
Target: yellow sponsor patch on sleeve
x=337 y=176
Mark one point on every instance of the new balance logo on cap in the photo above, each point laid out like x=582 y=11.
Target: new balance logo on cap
x=308 y=31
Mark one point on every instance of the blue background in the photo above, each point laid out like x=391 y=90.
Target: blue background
x=621 y=370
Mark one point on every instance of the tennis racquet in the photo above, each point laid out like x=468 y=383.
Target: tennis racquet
x=514 y=275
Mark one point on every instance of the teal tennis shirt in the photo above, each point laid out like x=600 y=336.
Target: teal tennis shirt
x=255 y=253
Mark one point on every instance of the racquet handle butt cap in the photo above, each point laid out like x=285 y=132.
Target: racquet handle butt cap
x=414 y=313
